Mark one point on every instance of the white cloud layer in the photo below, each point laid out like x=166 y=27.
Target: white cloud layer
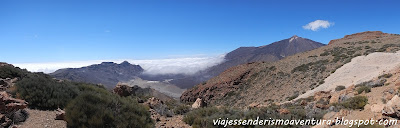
x=318 y=24
x=188 y=65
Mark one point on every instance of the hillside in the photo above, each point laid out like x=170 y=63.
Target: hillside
x=263 y=83
x=39 y=100
x=106 y=73
x=267 y=53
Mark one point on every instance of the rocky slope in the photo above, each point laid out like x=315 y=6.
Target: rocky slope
x=382 y=102
x=360 y=69
x=106 y=73
x=264 y=83
x=267 y=53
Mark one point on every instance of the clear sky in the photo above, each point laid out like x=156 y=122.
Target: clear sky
x=75 y=30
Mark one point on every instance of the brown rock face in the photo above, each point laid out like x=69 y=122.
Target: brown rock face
x=219 y=87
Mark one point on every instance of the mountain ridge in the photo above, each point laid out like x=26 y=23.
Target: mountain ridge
x=274 y=82
x=106 y=73
x=266 y=53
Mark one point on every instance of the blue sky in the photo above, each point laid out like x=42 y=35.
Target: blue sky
x=70 y=30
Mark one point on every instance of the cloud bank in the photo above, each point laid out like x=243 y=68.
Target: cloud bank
x=318 y=24
x=188 y=65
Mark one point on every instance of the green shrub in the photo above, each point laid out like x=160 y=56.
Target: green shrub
x=339 y=88
x=42 y=92
x=97 y=107
x=357 y=102
x=363 y=89
x=294 y=96
x=203 y=117
x=385 y=76
x=8 y=71
x=181 y=109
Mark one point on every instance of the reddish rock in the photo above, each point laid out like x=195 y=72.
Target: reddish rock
x=8 y=103
x=219 y=87
x=8 y=106
x=283 y=111
x=322 y=95
x=122 y=90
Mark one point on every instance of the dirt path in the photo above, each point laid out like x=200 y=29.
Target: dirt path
x=42 y=119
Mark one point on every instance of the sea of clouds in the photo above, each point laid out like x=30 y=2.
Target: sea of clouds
x=185 y=65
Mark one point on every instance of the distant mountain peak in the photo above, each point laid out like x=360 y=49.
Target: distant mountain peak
x=293 y=38
x=125 y=63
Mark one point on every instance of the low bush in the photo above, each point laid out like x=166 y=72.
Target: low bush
x=42 y=92
x=203 y=117
x=181 y=109
x=363 y=89
x=96 y=107
x=339 y=88
x=385 y=76
x=357 y=102
x=8 y=71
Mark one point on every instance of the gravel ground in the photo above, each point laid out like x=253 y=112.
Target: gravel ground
x=42 y=119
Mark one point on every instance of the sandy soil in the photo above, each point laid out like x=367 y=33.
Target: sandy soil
x=360 y=69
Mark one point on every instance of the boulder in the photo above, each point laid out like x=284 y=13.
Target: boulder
x=20 y=116
x=199 y=103
x=60 y=114
x=122 y=90
x=392 y=107
x=9 y=104
x=377 y=108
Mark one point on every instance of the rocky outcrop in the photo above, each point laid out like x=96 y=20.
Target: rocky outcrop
x=123 y=90
x=199 y=103
x=10 y=108
x=6 y=83
x=392 y=108
x=219 y=87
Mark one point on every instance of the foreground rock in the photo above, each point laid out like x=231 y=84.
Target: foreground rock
x=60 y=114
x=199 y=103
x=11 y=110
x=392 y=107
